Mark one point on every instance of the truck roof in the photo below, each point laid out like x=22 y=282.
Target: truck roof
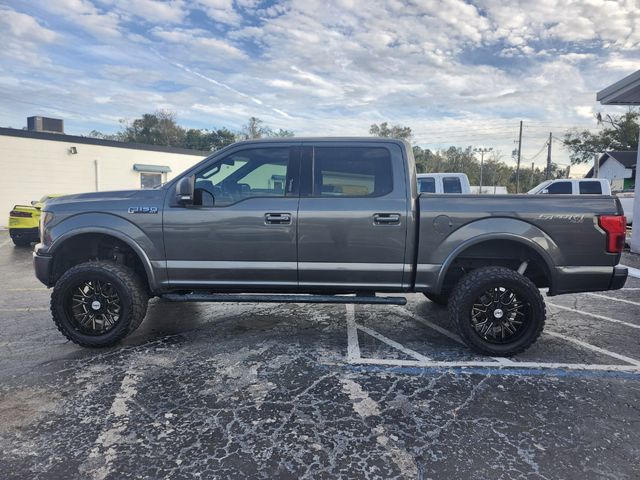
x=325 y=139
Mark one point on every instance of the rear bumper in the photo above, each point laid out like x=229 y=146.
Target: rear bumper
x=42 y=265
x=619 y=277
x=31 y=234
x=588 y=279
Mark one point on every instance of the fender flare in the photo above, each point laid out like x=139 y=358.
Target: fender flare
x=110 y=232
x=496 y=236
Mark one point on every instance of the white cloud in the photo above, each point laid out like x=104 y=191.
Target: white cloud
x=24 y=27
x=173 y=11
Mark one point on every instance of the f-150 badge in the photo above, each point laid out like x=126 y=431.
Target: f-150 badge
x=143 y=209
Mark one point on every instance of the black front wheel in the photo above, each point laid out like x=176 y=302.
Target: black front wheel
x=497 y=311
x=97 y=303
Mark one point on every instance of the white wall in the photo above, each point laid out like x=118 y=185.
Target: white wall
x=615 y=172
x=31 y=168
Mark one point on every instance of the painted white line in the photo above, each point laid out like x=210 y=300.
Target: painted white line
x=451 y=335
x=39 y=289
x=613 y=298
x=630 y=289
x=353 y=347
x=26 y=309
x=99 y=463
x=480 y=364
x=588 y=346
x=393 y=343
x=633 y=272
x=601 y=317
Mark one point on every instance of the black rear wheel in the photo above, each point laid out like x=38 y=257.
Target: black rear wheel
x=97 y=303
x=497 y=311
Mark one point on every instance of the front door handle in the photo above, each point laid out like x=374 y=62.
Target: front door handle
x=386 y=219
x=277 y=218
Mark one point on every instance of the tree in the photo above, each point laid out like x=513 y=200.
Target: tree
x=255 y=129
x=159 y=128
x=208 y=140
x=394 y=131
x=620 y=133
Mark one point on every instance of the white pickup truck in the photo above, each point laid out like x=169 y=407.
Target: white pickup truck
x=585 y=186
x=443 y=183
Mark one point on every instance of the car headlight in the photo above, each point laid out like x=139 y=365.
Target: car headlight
x=45 y=219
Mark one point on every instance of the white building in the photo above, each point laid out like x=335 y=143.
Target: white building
x=36 y=163
x=619 y=168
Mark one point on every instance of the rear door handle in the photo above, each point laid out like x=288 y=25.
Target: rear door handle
x=277 y=218
x=386 y=219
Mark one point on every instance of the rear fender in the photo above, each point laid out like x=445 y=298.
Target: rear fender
x=494 y=229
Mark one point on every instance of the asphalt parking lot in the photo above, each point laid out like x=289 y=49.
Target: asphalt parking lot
x=316 y=391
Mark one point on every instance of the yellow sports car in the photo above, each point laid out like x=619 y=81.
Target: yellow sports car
x=24 y=221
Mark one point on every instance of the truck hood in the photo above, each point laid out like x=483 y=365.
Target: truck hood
x=107 y=196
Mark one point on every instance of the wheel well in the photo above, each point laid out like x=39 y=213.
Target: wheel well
x=504 y=253
x=95 y=246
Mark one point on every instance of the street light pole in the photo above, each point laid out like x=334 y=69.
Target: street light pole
x=482 y=151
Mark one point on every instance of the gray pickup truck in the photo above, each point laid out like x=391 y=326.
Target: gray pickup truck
x=323 y=220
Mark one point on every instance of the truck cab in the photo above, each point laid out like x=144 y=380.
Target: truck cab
x=443 y=183
x=573 y=186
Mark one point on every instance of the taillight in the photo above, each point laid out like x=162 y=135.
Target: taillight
x=16 y=213
x=616 y=228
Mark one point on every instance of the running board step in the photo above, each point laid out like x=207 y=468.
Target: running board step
x=234 y=298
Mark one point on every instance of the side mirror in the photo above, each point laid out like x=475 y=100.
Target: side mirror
x=184 y=191
x=546 y=190
x=34 y=202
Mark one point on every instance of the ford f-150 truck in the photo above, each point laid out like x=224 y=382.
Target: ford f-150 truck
x=323 y=220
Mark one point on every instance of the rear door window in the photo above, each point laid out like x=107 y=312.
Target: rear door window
x=351 y=172
x=560 y=188
x=427 y=185
x=590 y=188
x=451 y=185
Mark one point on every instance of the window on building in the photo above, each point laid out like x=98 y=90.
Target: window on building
x=258 y=172
x=451 y=185
x=559 y=188
x=590 y=188
x=150 y=180
x=351 y=172
x=427 y=185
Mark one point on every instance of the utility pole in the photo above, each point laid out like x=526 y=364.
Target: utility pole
x=568 y=171
x=548 y=172
x=596 y=166
x=519 y=154
x=532 y=174
x=482 y=151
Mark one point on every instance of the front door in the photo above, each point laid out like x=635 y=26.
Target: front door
x=352 y=221
x=241 y=230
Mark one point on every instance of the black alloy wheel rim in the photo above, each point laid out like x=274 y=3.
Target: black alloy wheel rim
x=94 y=306
x=499 y=315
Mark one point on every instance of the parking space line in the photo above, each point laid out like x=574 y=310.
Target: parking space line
x=470 y=364
x=353 y=347
x=26 y=309
x=393 y=343
x=601 y=317
x=613 y=298
x=39 y=289
x=451 y=335
x=633 y=272
x=588 y=346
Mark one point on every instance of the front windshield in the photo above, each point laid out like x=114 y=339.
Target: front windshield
x=537 y=188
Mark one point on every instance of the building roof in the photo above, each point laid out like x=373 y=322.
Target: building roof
x=60 y=137
x=627 y=159
x=623 y=92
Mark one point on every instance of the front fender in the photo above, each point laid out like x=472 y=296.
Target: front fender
x=114 y=226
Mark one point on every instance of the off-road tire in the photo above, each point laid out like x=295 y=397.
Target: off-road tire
x=468 y=290
x=441 y=300
x=131 y=291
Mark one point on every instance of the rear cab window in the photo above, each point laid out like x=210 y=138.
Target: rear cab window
x=352 y=172
x=590 y=188
x=427 y=185
x=451 y=185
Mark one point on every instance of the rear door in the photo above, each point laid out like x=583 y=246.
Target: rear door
x=352 y=222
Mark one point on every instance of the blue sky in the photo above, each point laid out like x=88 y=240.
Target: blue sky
x=457 y=72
